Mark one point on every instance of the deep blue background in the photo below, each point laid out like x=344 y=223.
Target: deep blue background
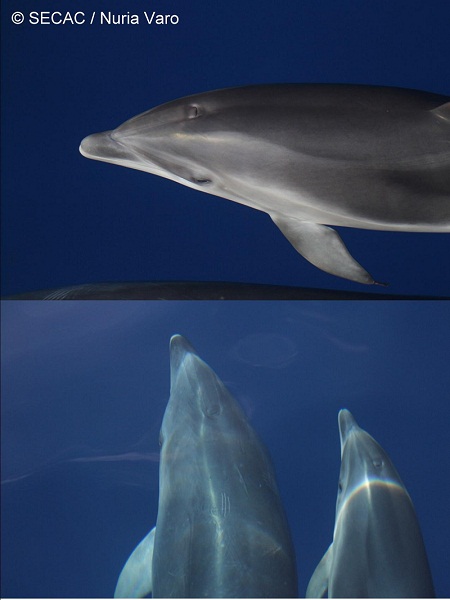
x=84 y=389
x=67 y=220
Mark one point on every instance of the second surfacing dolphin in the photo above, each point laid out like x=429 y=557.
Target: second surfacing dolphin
x=221 y=531
x=308 y=155
x=377 y=549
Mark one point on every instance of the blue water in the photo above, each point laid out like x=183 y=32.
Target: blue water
x=68 y=220
x=84 y=389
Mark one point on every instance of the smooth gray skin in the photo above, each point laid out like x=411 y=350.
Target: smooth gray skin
x=377 y=548
x=221 y=530
x=308 y=155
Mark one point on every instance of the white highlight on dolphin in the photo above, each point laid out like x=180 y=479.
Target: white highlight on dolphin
x=377 y=548
x=221 y=531
x=310 y=156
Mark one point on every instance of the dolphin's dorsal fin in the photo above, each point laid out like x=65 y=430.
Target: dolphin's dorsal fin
x=443 y=111
x=318 y=584
x=323 y=247
x=135 y=579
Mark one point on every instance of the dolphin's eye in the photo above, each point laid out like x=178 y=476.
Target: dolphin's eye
x=340 y=486
x=193 y=112
x=377 y=463
x=160 y=439
x=201 y=181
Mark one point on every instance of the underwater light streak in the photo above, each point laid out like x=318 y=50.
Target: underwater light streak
x=365 y=487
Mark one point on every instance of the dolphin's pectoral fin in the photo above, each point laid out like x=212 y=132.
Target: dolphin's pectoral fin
x=323 y=247
x=443 y=111
x=135 y=579
x=318 y=584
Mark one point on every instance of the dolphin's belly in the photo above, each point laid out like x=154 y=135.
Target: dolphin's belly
x=221 y=529
x=220 y=551
x=378 y=550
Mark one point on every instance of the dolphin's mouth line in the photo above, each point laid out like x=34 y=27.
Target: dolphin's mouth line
x=160 y=163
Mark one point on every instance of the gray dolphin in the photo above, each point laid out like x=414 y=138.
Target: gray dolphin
x=221 y=530
x=195 y=290
x=377 y=548
x=308 y=155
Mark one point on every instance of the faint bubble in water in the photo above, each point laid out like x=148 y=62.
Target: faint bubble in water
x=268 y=350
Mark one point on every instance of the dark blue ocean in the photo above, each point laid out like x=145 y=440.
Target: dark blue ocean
x=84 y=389
x=85 y=384
x=68 y=220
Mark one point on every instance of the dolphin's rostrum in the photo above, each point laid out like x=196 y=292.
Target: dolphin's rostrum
x=308 y=155
x=377 y=548
x=221 y=530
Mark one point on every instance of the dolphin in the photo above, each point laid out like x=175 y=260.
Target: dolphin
x=221 y=530
x=309 y=155
x=377 y=548
x=197 y=290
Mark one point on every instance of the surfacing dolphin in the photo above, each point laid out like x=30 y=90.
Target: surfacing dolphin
x=308 y=155
x=377 y=548
x=221 y=530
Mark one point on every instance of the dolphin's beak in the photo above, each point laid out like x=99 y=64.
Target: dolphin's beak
x=179 y=347
x=109 y=147
x=102 y=146
x=346 y=425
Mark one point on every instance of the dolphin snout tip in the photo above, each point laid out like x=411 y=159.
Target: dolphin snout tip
x=179 y=347
x=183 y=357
x=346 y=423
x=98 y=145
x=89 y=145
x=176 y=340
